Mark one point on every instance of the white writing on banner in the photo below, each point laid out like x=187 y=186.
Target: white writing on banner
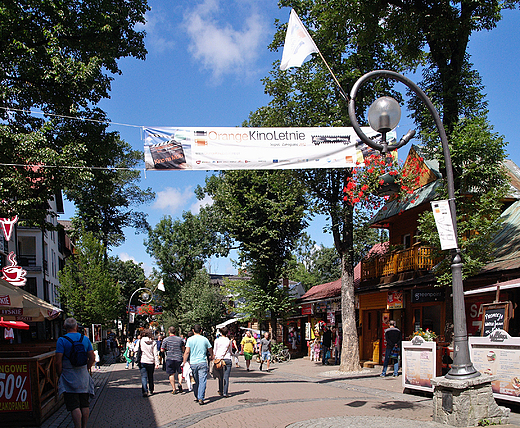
x=442 y=215
x=219 y=148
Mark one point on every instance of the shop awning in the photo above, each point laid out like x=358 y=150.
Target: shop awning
x=227 y=322
x=514 y=283
x=17 y=304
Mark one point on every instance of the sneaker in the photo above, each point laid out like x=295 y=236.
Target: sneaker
x=201 y=402
x=382 y=375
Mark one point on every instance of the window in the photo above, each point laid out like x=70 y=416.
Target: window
x=27 y=250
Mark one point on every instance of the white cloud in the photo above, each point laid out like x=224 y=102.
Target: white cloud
x=221 y=47
x=173 y=200
x=147 y=268
x=156 y=27
x=195 y=208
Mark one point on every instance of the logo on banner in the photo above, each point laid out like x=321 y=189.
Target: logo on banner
x=5 y=300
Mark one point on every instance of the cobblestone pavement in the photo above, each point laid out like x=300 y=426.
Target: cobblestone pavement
x=297 y=394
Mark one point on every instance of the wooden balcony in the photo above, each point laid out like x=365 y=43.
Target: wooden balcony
x=416 y=258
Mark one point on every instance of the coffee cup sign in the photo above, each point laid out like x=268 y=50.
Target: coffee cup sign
x=14 y=274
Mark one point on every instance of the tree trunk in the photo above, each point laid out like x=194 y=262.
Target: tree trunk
x=350 y=346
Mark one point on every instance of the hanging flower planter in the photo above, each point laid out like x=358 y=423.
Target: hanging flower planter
x=387 y=185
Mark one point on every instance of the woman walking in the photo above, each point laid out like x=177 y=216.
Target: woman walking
x=149 y=361
x=222 y=351
x=129 y=352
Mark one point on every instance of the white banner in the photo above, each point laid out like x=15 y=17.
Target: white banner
x=220 y=148
x=442 y=215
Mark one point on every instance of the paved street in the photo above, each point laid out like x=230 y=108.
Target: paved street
x=295 y=394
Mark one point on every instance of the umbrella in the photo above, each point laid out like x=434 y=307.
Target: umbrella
x=19 y=305
x=14 y=324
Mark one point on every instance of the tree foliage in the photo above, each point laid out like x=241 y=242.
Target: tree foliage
x=181 y=247
x=200 y=303
x=264 y=212
x=58 y=58
x=88 y=291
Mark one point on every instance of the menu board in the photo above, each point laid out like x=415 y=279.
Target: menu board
x=498 y=354
x=419 y=363
x=495 y=317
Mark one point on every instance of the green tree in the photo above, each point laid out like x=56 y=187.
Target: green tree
x=104 y=203
x=130 y=277
x=59 y=58
x=200 y=303
x=87 y=290
x=264 y=212
x=181 y=247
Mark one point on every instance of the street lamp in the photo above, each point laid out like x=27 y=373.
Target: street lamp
x=384 y=116
x=146 y=297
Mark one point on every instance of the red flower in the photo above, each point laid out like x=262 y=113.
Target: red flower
x=364 y=187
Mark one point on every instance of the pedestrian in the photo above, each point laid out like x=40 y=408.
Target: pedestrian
x=173 y=349
x=337 y=346
x=265 y=350
x=248 y=346
x=75 y=382
x=196 y=352
x=222 y=351
x=135 y=346
x=326 y=344
x=235 y=351
x=149 y=361
x=97 y=359
x=161 y=354
x=393 y=346
x=129 y=353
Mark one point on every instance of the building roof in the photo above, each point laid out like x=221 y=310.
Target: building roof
x=332 y=289
x=507 y=242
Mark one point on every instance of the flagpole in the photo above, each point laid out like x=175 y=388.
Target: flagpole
x=341 y=91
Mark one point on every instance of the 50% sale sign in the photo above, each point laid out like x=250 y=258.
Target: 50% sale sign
x=15 y=387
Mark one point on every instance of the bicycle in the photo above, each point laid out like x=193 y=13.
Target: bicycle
x=279 y=353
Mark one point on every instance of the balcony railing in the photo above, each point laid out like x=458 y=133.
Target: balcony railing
x=411 y=259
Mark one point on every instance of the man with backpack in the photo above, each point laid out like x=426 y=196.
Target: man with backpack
x=74 y=358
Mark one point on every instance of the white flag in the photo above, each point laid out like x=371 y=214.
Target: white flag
x=298 y=44
x=160 y=286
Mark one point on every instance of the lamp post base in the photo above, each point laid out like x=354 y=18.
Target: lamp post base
x=465 y=403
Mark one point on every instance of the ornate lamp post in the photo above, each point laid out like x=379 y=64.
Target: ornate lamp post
x=146 y=297
x=384 y=115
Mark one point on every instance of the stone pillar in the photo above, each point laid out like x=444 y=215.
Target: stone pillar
x=466 y=402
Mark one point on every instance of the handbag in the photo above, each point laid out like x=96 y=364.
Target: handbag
x=219 y=363
x=138 y=355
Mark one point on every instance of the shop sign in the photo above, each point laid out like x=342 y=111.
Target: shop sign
x=498 y=354
x=394 y=300
x=15 y=388
x=419 y=363
x=427 y=295
x=496 y=317
x=307 y=309
x=331 y=318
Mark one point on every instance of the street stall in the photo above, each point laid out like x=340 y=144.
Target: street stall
x=28 y=378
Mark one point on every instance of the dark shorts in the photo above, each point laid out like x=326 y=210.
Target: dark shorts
x=173 y=366
x=76 y=401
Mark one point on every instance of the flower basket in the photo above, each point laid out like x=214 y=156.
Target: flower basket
x=427 y=335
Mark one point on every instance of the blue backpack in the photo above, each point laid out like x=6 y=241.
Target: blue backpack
x=78 y=355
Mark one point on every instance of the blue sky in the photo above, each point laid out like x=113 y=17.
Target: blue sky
x=203 y=68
